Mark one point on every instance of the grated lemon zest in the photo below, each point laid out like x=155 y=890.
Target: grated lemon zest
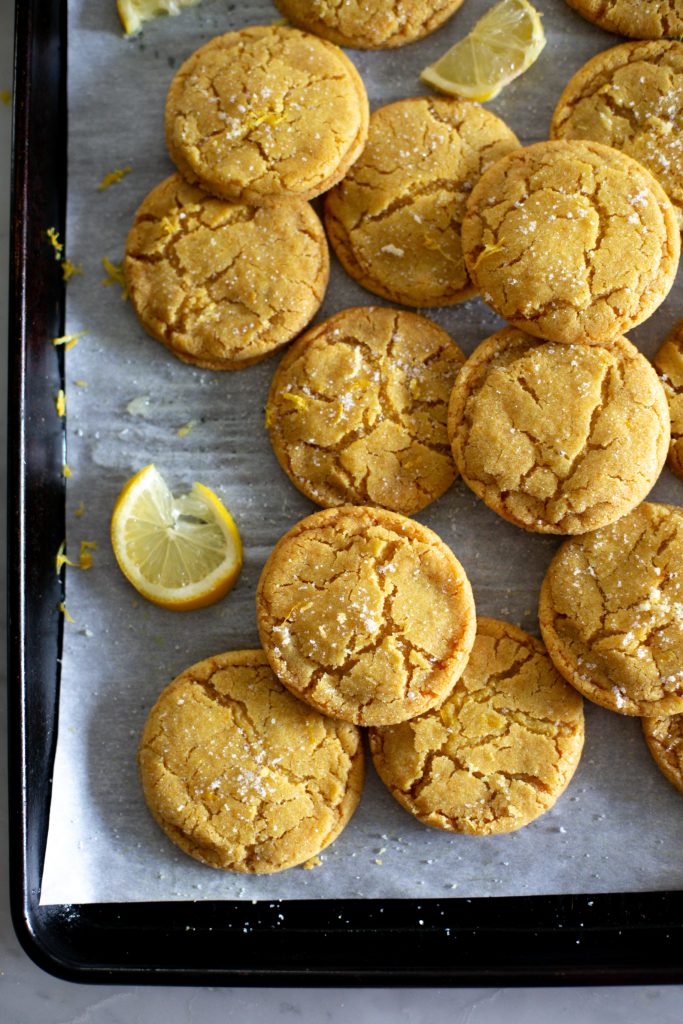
x=60 y=403
x=169 y=225
x=114 y=276
x=79 y=510
x=85 y=557
x=63 y=609
x=298 y=400
x=113 y=178
x=70 y=270
x=66 y=471
x=61 y=558
x=186 y=428
x=81 y=383
x=5 y=97
x=53 y=236
x=68 y=340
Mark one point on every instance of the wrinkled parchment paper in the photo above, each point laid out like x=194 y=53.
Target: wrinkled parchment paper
x=618 y=827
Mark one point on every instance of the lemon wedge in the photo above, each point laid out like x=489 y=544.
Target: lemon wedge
x=134 y=12
x=502 y=44
x=181 y=553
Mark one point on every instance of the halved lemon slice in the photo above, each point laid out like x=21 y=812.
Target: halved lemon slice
x=503 y=44
x=134 y=12
x=181 y=553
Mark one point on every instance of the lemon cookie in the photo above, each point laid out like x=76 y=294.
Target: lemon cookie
x=571 y=241
x=631 y=98
x=501 y=748
x=357 y=410
x=558 y=438
x=639 y=19
x=611 y=612
x=669 y=365
x=221 y=284
x=365 y=614
x=266 y=113
x=369 y=26
x=240 y=774
x=664 y=737
x=394 y=222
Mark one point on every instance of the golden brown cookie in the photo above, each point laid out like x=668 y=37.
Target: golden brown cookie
x=223 y=285
x=669 y=365
x=240 y=774
x=357 y=410
x=639 y=19
x=366 y=615
x=631 y=98
x=369 y=26
x=265 y=114
x=571 y=241
x=558 y=438
x=501 y=748
x=611 y=612
x=394 y=222
x=664 y=737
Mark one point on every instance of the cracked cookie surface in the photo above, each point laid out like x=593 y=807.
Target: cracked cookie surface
x=501 y=748
x=369 y=26
x=669 y=365
x=571 y=241
x=640 y=19
x=631 y=98
x=265 y=114
x=365 y=614
x=220 y=284
x=240 y=774
x=558 y=438
x=611 y=612
x=357 y=410
x=664 y=737
x=394 y=222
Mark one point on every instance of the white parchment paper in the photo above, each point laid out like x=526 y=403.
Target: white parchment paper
x=619 y=826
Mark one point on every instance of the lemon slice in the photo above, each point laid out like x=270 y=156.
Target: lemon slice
x=503 y=44
x=134 y=12
x=181 y=553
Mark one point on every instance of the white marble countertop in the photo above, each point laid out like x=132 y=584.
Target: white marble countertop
x=29 y=996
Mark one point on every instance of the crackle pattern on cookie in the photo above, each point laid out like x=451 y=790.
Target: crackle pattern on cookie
x=394 y=222
x=571 y=241
x=631 y=98
x=611 y=612
x=664 y=737
x=501 y=748
x=669 y=365
x=365 y=614
x=265 y=114
x=220 y=284
x=241 y=775
x=369 y=26
x=640 y=19
x=558 y=438
x=357 y=410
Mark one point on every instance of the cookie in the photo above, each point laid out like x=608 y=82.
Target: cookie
x=669 y=365
x=265 y=114
x=366 y=615
x=639 y=19
x=558 y=438
x=220 y=284
x=501 y=748
x=611 y=612
x=394 y=222
x=571 y=241
x=664 y=737
x=240 y=774
x=368 y=26
x=357 y=410
x=631 y=98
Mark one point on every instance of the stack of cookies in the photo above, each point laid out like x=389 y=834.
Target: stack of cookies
x=253 y=760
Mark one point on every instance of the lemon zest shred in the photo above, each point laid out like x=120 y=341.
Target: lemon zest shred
x=488 y=250
x=5 y=97
x=61 y=558
x=66 y=471
x=169 y=225
x=70 y=270
x=85 y=557
x=63 y=609
x=113 y=178
x=81 y=383
x=68 y=340
x=186 y=428
x=114 y=276
x=60 y=403
x=79 y=510
x=53 y=237
x=298 y=400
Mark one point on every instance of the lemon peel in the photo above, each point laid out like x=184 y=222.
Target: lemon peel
x=113 y=178
x=181 y=553
x=503 y=44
